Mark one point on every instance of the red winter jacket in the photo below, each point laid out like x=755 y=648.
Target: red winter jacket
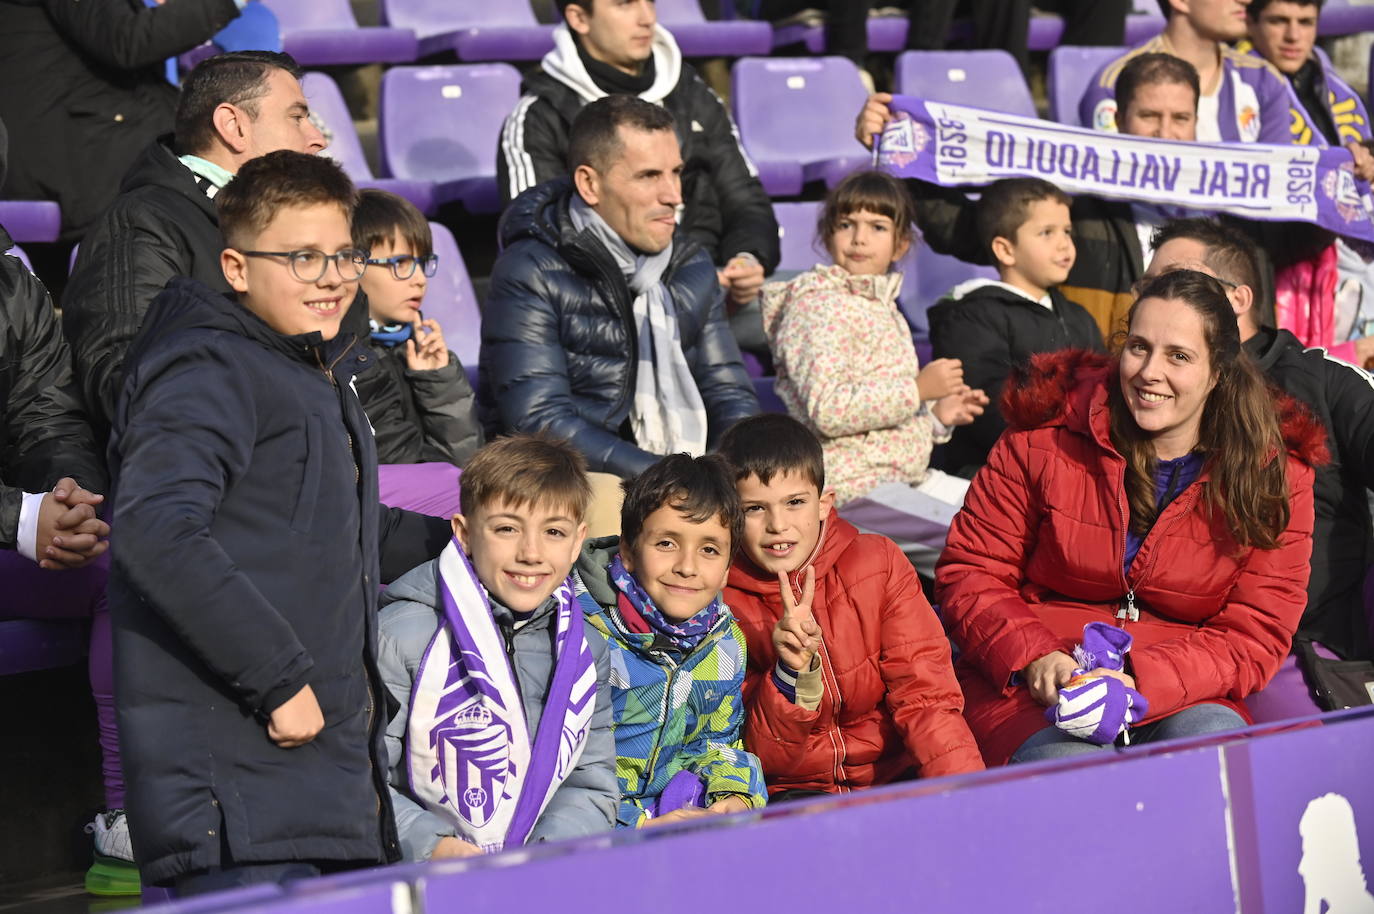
x=1036 y=554
x=891 y=706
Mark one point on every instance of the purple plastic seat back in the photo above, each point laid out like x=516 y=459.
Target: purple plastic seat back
x=1070 y=71
x=31 y=220
x=795 y=115
x=325 y=32
x=886 y=35
x=442 y=123
x=979 y=79
x=473 y=29
x=41 y=644
x=936 y=274
x=331 y=115
x=451 y=301
x=698 y=37
x=1341 y=17
x=797 y=236
x=17 y=251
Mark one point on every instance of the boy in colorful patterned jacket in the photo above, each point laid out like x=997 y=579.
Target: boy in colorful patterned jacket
x=677 y=654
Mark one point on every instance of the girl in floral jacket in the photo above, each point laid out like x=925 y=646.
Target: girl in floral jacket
x=847 y=368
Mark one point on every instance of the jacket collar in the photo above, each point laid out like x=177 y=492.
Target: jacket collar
x=837 y=535
x=564 y=64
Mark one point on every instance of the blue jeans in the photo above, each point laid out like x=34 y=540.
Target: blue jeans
x=1052 y=742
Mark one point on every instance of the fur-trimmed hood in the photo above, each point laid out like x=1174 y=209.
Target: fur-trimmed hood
x=1069 y=388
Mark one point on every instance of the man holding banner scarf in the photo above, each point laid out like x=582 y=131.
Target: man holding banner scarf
x=1291 y=198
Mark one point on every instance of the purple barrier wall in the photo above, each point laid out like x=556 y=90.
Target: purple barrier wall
x=1264 y=821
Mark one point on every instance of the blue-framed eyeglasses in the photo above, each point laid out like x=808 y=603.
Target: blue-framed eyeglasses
x=403 y=265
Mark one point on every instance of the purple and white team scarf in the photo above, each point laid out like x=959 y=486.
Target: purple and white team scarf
x=1100 y=708
x=957 y=146
x=470 y=756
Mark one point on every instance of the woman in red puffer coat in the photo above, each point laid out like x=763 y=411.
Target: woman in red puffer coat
x=1164 y=492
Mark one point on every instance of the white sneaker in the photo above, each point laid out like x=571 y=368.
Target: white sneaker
x=111 y=831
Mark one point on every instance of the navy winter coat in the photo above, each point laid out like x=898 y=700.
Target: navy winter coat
x=248 y=548
x=559 y=341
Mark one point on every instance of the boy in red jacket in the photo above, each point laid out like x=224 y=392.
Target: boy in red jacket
x=850 y=683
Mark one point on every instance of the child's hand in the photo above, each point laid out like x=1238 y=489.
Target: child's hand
x=742 y=278
x=426 y=350
x=296 y=722
x=873 y=118
x=1127 y=678
x=69 y=533
x=451 y=847
x=684 y=814
x=1045 y=676
x=797 y=637
x=960 y=408
x=940 y=378
x=727 y=804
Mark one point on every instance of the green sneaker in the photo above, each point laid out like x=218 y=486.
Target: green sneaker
x=112 y=876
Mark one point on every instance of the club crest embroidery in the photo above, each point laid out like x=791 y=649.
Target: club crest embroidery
x=903 y=141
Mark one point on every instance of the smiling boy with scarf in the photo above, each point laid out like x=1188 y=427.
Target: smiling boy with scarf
x=503 y=734
x=677 y=654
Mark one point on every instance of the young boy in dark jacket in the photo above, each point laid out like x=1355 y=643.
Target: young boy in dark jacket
x=415 y=392
x=993 y=326
x=250 y=546
x=503 y=593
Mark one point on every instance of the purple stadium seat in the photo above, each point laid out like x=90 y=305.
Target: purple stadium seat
x=1070 y=71
x=796 y=118
x=1340 y=17
x=41 y=644
x=886 y=34
x=31 y=220
x=331 y=114
x=768 y=397
x=698 y=37
x=1141 y=25
x=320 y=33
x=17 y=251
x=441 y=124
x=451 y=301
x=936 y=274
x=982 y=79
x=472 y=29
x=797 y=236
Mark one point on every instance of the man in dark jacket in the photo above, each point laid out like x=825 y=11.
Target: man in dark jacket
x=604 y=324
x=85 y=89
x=233 y=108
x=1339 y=394
x=251 y=548
x=608 y=47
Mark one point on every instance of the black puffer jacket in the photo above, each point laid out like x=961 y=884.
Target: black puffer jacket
x=993 y=330
x=85 y=90
x=162 y=225
x=44 y=435
x=1342 y=397
x=419 y=416
x=248 y=549
x=559 y=339
x=727 y=210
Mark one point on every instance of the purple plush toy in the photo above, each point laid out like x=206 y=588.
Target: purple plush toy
x=1099 y=708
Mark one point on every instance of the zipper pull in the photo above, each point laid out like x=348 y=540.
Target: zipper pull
x=1128 y=610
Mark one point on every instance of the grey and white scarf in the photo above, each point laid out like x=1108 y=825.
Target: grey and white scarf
x=667 y=414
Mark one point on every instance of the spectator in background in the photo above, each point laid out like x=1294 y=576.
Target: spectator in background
x=610 y=47
x=604 y=324
x=86 y=89
x=233 y=108
x=1241 y=98
x=50 y=470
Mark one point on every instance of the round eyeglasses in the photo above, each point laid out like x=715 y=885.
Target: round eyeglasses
x=403 y=265
x=308 y=265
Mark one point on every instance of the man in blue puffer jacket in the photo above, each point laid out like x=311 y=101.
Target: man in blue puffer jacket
x=604 y=325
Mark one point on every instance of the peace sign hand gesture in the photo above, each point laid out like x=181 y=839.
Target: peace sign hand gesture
x=797 y=637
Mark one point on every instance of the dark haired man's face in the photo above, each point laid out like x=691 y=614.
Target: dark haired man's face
x=283 y=120
x=1285 y=33
x=1167 y=110
x=1217 y=20
x=616 y=32
x=639 y=193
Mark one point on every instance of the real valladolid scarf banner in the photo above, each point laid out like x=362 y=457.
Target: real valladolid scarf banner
x=952 y=145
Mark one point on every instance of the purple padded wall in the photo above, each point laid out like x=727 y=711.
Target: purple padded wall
x=473 y=29
x=796 y=118
x=321 y=33
x=981 y=79
x=441 y=124
x=1070 y=71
